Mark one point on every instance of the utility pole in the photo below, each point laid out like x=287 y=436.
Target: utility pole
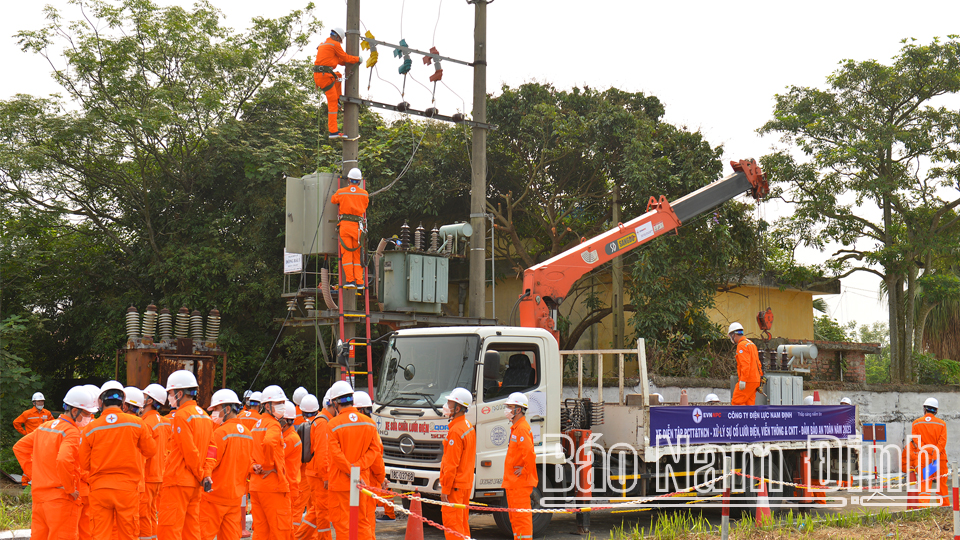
x=351 y=127
x=478 y=183
x=617 y=277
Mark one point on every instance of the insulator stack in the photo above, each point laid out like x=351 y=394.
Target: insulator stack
x=133 y=323
x=149 y=322
x=213 y=326
x=309 y=303
x=405 y=236
x=449 y=247
x=291 y=305
x=434 y=239
x=196 y=325
x=182 y=329
x=166 y=324
x=418 y=238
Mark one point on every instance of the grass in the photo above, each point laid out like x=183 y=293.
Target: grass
x=15 y=509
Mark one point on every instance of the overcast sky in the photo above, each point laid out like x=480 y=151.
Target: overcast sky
x=715 y=65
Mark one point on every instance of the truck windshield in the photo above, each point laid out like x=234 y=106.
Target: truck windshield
x=420 y=371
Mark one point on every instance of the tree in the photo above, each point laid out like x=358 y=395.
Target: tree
x=877 y=142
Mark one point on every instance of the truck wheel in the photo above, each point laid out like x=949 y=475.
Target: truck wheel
x=540 y=521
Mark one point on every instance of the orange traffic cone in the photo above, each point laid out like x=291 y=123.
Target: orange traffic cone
x=414 y=525
x=816 y=397
x=763 y=505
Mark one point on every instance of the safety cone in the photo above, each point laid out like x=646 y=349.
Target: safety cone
x=763 y=505
x=414 y=525
x=816 y=397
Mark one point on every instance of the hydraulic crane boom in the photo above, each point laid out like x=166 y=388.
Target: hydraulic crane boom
x=548 y=283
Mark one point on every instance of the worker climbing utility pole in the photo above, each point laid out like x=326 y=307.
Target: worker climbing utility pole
x=478 y=184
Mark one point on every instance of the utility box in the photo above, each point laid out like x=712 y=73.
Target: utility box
x=784 y=389
x=413 y=282
x=311 y=223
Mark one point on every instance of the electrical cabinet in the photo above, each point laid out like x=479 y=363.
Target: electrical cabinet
x=311 y=220
x=413 y=282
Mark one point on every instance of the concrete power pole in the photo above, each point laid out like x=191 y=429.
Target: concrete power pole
x=617 y=277
x=478 y=183
x=351 y=127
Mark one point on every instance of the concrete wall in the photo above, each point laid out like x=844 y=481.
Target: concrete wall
x=897 y=410
x=792 y=310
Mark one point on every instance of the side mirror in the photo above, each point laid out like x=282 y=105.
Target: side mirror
x=342 y=353
x=409 y=372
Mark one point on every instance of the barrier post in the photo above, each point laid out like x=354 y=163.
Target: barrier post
x=725 y=519
x=913 y=491
x=354 y=503
x=956 y=501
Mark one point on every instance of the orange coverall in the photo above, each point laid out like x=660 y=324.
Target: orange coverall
x=353 y=442
x=51 y=455
x=374 y=476
x=331 y=54
x=316 y=523
x=269 y=490
x=292 y=451
x=31 y=419
x=179 y=505
x=249 y=419
x=153 y=474
x=298 y=419
x=353 y=201
x=110 y=456
x=749 y=371
x=520 y=453
x=932 y=433
x=456 y=473
x=227 y=464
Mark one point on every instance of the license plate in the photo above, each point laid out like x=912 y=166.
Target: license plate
x=402 y=476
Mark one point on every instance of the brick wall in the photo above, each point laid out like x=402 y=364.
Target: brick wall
x=831 y=353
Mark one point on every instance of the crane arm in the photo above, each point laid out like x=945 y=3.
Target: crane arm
x=545 y=285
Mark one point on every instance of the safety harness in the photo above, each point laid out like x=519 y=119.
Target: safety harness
x=363 y=231
x=326 y=70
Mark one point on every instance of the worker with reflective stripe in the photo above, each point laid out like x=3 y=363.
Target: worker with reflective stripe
x=375 y=475
x=269 y=488
x=292 y=452
x=316 y=523
x=85 y=527
x=249 y=418
x=925 y=455
x=353 y=201
x=154 y=396
x=111 y=456
x=31 y=418
x=179 y=505
x=330 y=54
x=749 y=371
x=51 y=455
x=519 y=466
x=459 y=462
x=225 y=470
x=302 y=509
x=352 y=443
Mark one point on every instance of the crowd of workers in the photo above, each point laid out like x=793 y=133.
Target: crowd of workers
x=112 y=467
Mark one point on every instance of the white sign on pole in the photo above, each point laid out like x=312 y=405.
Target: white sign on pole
x=292 y=262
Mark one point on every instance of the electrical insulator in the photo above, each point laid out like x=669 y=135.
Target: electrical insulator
x=418 y=238
x=166 y=324
x=309 y=303
x=213 y=326
x=449 y=248
x=405 y=236
x=291 y=305
x=182 y=330
x=133 y=323
x=196 y=325
x=434 y=239
x=149 y=322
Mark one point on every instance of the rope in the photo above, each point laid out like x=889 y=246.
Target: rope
x=409 y=514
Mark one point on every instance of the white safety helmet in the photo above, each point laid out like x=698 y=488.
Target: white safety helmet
x=355 y=176
x=181 y=379
x=518 y=398
x=309 y=404
x=94 y=391
x=461 y=396
x=932 y=402
x=808 y=400
x=289 y=410
x=111 y=386
x=362 y=399
x=247 y=393
x=273 y=394
x=255 y=397
x=339 y=32
x=712 y=398
x=340 y=389
x=846 y=401
x=80 y=397
x=222 y=397
x=133 y=396
x=735 y=327
x=155 y=392
x=326 y=398
x=37 y=397
x=298 y=395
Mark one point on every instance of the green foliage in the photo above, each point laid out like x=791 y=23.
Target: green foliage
x=877 y=366
x=825 y=328
x=932 y=370
x=17 y=381
x=15 y=510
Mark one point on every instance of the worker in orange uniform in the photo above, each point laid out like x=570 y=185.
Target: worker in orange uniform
x=364 y=404
x=52 y=457
x=309 y=407
x=249 y=418
x=925 y=456
x=457 y=468
x=30 y=420
x=330 y=54
x=749 y=371
x=154 y=397
x=373 y=476
x=519 y=466
x=269 y=488
x=353 y=200
x=111 y=456
x=225 y=469
x=353 y=442
x=298 y=396
x=292 y=458
x=316 y=523
x=189 y=443
x=86 y=527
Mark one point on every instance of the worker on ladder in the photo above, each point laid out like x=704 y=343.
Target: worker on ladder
x=353 y=200
x=330 y=54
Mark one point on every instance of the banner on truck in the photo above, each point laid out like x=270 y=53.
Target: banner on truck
x=764 y=423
